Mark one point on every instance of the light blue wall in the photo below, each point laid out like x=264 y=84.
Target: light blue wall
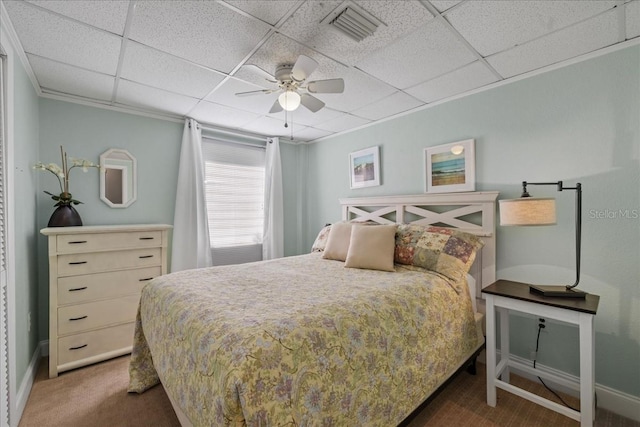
x=23 y=209
x=86 y=132
x=580 y=123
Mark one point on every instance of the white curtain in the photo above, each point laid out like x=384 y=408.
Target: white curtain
x=191 y=248
x=273 y=237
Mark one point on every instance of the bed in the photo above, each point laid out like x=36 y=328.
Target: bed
x=310 y=340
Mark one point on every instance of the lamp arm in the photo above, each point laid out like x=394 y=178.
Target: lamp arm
x=578 y=189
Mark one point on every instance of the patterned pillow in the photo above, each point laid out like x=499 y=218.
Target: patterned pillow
x=444 y=250
x=321 y=239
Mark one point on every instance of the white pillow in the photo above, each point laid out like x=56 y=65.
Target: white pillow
x=338 y=241
x=372 y=247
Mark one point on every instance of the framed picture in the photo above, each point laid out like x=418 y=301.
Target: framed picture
x=450 y=167
x=364 y=167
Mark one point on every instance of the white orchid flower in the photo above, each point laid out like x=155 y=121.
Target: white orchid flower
x=62 y=173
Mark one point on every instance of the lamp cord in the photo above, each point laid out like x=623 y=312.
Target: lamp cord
x=540 y=327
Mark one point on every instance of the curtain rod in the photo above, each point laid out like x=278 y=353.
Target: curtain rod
x=256 y=138
x=232 y=141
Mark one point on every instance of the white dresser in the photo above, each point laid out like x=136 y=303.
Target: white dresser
x=96 y=274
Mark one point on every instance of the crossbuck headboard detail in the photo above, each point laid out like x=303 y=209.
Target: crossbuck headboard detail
x=473 y=213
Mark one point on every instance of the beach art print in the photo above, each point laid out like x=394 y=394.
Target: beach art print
x=364 y=167
x=450 y=167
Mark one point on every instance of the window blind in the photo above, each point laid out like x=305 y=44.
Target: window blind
x=234 y=191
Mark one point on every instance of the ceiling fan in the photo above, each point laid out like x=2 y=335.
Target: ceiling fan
x=293 y=86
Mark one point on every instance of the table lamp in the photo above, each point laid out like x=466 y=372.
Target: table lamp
x=529 y=210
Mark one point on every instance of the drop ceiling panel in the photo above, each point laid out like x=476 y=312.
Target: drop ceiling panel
x=206 y=33
x=279 y=49
x=493 y=26
x=48 y=35
x=360 y=90
x=633 y=19
x=399 y=18
x=151 y=67
x=107 y=15
x=443 y=5
x=469 y=77
x=253 y=74
x=137 y=95
x=273 y=127
x=226 y=95
x=71 y=80
x=389 y=106
x=343 y=122
x=178 y=52
x=270 y=11
x=310 y=134
x=308 y=118
x=207 y=112
x=430 y=51
x=587 y=36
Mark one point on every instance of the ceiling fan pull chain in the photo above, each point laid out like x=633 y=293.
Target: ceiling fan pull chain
x=285 y=119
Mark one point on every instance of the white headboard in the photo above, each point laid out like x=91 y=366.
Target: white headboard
x=446 y=210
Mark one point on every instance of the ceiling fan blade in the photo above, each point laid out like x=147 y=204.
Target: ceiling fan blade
x=254 y=92
x=326 y=86
x=311 y=102
x=303 y=67
x=276 y=107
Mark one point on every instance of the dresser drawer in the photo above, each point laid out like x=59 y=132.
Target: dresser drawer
x=87 y=287
x=89 y=344
x=96 y=262
x=74 y=243
x=91 y=315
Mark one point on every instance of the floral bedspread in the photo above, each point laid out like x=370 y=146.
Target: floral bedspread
x=299 y=341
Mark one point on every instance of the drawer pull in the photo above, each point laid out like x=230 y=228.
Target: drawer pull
x=77 y=262
x=145 y=256
x=78 y=347
x=78 y=318
x=77 y=289
x=147 y=238
x=145 y=279
x=77 y=242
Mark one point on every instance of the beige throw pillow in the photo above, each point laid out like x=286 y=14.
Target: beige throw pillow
x=372 y=247
x=338 y=241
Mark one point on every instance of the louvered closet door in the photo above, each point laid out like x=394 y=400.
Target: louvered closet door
x=4 y=368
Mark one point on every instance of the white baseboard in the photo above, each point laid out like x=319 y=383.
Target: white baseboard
x=44 y=348
x=27 y=384
x=608 y=398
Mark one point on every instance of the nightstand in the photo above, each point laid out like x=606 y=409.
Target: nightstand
x=503 y=296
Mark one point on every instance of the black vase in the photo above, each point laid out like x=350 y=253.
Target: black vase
x=65 y=215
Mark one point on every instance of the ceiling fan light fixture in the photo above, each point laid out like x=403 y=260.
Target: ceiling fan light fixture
x=289 y=100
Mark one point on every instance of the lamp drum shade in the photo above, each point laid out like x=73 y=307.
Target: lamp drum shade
x=528 y=211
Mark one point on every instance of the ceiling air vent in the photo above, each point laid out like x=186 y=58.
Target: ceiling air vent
x=353 y=21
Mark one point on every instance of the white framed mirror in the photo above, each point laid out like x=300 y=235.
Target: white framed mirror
x=118 y=178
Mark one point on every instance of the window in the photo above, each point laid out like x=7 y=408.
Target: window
x=234 y=191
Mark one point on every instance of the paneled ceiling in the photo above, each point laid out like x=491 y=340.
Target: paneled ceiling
x=190 y=58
